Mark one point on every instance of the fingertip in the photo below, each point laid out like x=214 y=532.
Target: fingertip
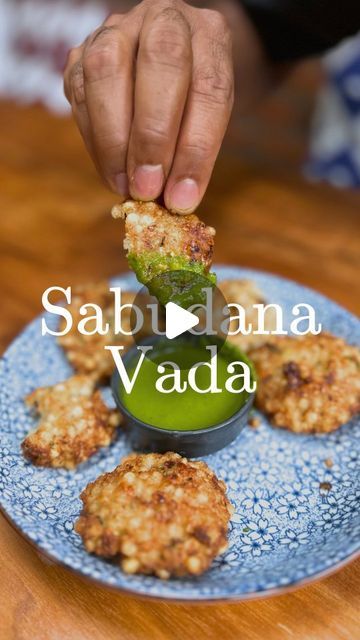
x=121 y=184
x=147 y=181
x=183 y=197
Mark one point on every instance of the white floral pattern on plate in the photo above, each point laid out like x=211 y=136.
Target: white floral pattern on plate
x=287 y=526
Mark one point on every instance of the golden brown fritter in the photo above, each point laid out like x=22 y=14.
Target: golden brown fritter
x=154 y=232
x=246 y=293
x=73 y=423
x=158 y=514
x=86 y=353
x=309 y=384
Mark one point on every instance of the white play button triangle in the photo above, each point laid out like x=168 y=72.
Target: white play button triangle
x=178 y=320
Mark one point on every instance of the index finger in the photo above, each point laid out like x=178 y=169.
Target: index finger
x=163 y=72
x=108 y=61
x=206 y=116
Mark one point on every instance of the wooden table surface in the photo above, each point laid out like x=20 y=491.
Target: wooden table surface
x=55 y=228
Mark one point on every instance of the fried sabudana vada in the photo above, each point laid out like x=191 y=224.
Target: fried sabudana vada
x=157 y=241
x=158 y=514
x=74 y=423
x=308 y=384
x=86 y=353
x=246 y=293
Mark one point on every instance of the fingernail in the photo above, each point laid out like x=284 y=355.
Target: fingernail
x=121 y=184
x=184 y=196
x=148 y=181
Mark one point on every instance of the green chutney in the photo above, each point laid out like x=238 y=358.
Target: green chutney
x=188 y=410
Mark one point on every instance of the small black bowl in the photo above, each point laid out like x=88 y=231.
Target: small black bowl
x=198 y=442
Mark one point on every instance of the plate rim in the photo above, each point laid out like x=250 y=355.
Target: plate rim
x=197 y=598
x=251 y=595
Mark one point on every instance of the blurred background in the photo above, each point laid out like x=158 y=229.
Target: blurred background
x=283 y=199
x=311 y=124
x=283 y=196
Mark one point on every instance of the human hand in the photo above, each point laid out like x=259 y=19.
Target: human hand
x=152 y=91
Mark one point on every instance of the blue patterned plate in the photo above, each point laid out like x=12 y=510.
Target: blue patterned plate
x=285 y=531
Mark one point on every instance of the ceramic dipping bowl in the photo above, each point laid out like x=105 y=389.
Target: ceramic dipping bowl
x=191 y=443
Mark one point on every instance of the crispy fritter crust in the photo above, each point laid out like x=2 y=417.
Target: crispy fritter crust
x=74 y=423
x=86 y=353
x=309 y=384
x=158 y=513
x=246 y=293
x=149 y=227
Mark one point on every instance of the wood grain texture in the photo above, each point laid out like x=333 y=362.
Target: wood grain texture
x=55 y=228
